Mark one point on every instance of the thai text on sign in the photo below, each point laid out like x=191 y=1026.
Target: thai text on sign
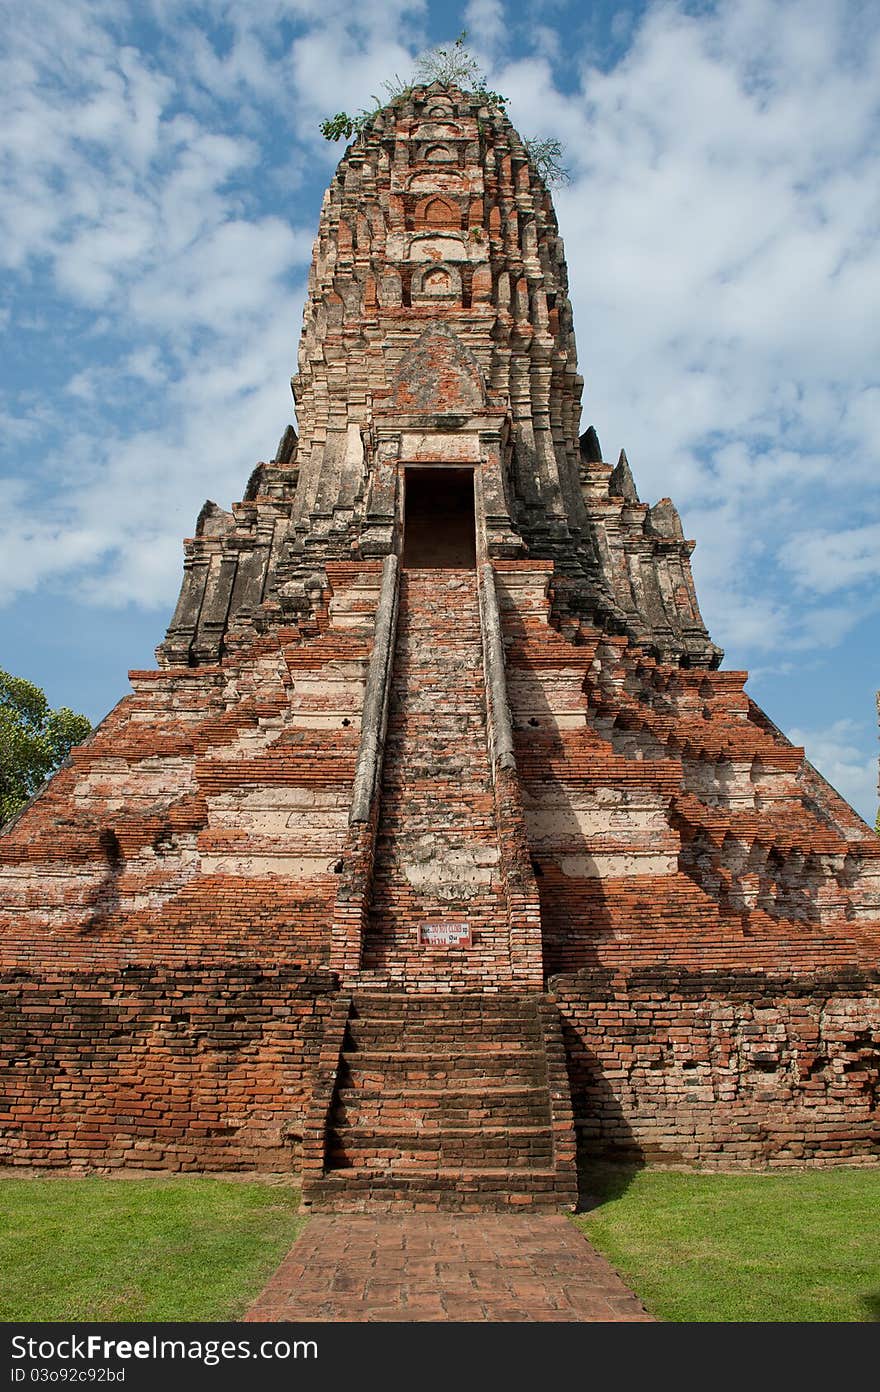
x=446 y=933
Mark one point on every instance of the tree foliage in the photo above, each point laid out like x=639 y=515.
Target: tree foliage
x=451 y=67
x=34 y=740
x=455 y=67
x=546 y=156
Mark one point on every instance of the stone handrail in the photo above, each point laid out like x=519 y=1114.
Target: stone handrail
x=497 y=709
x=375 y=714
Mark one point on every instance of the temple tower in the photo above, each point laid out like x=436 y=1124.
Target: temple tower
x=437 y=842
x=438 y=336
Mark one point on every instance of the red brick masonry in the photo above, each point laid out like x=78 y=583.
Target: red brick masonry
x=209 y=919
x=415 y=1267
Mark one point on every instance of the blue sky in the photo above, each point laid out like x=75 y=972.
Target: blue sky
x=162 y=175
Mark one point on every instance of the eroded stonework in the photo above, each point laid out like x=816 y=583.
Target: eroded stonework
x=440 y=672
x=438 y=327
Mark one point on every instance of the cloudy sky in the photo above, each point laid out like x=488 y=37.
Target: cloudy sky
x=162 y=173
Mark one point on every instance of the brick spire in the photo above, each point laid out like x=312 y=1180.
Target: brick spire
x=438 y=325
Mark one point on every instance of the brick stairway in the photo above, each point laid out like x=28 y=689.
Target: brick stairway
x=437 y=854
x=448 y=1101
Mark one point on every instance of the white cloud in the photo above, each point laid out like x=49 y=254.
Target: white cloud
x=837 y=751
x=825 y=561
x=486 y=24
x=137 y=207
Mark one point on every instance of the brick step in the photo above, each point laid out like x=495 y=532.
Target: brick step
x=519 y=1149
x=419 y=787
x=460 y=683
x=419 y=792
x=414 y=1112
x=421 y=988
x=420 y=822
x=456 y=663
x=473 y=783
x=403 y=1070
x=432 y=790
x=507 y=1052
x=448 y=703
x=431 y=787
x=461 y=634
x=460 y=686
x=519 y=1136
x=444 y=698
x=444 y=760
x=476 y=1034
x=452 y=642
x=429 y=662
x=394 y=909
x=464 y=729
x=459 y=691
x=408 y=829
x=505 y=1005
x=445 y=753
x=452 y=1188
x=446 y=653
x=427 y=1010
x=419 y=1025
x=409 y=804
x=457 y=631
x=467 y=728
x=426 y=767
x=487 y=1041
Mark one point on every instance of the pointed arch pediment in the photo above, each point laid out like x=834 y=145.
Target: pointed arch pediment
x=440 y=374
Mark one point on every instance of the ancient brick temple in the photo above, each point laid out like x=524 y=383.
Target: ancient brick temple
x=438 y=843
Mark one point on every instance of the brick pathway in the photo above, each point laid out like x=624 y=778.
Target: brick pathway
x=444 y=1267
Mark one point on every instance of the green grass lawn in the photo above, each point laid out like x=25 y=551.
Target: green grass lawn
x=182 y=1248
x=801 y=1246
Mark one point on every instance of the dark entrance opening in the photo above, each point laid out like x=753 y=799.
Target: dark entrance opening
x=439 y=512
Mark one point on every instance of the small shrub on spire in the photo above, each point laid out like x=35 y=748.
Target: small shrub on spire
x=449 y=67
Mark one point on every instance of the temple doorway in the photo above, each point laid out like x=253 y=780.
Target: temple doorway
x=439 y=527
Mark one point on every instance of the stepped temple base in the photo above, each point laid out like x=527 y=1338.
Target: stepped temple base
x=606 y=999
x=438 y=850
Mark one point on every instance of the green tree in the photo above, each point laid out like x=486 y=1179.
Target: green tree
x=34 y=740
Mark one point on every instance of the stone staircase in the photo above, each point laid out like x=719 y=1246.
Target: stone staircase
x=442 y=1083
x=437 y=852
x=446 y=1101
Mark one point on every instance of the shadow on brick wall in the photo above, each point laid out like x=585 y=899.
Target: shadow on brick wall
x=103 y=901
x=608 y=1154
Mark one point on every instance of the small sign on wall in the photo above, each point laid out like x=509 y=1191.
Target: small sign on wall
x=445 y=933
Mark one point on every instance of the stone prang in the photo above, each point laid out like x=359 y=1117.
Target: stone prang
x=437 y=848
x=438 y=325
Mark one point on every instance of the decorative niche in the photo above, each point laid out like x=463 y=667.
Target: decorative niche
x=436 y=281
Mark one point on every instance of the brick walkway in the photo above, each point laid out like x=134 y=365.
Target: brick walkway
x=417 y=1266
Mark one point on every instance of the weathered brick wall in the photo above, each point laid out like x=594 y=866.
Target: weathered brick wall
x=154 y=1067
x=724 y=1069
x=206 y=817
